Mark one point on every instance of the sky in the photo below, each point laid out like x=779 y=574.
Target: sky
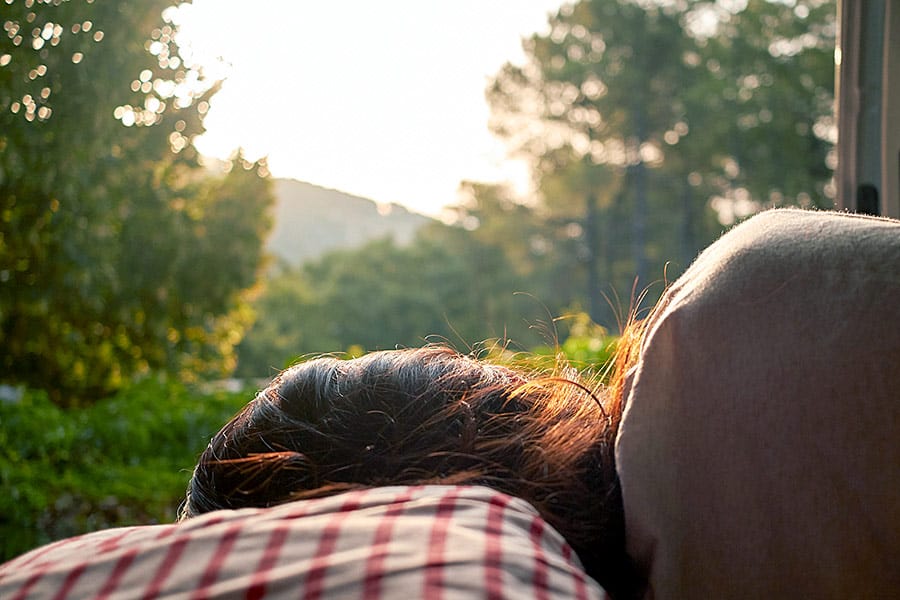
x=382 y=99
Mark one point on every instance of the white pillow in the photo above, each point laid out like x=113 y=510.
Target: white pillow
x=759 y=452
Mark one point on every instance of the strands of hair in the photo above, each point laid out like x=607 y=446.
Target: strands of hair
x=430 y=415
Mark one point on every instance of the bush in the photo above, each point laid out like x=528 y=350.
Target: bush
x=588 y=347
x=124 y=461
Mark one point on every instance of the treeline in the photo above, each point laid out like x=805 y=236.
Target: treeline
x=649 y=126
x=468 y=288
x=120 y=254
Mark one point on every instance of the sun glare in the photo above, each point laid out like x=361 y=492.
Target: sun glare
x=383 y=100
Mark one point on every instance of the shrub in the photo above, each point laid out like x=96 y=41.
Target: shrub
x=126 y=460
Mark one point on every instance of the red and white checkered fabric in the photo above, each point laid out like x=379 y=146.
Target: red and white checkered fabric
x=435 y=542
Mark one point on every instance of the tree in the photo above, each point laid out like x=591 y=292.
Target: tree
x=773 y=71
x=112 y=255
x=601 y=85
x=451 y=285
x=641 y=117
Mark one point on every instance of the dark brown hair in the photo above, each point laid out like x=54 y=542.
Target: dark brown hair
x=427 y=415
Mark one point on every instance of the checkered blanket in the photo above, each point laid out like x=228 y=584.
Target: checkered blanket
x=394 y=542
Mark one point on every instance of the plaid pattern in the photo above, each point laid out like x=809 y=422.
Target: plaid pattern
x=433 y=542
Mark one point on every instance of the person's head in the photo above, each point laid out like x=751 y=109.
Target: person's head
x=419 y=416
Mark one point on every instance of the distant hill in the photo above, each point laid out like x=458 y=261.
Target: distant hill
x=311 y=220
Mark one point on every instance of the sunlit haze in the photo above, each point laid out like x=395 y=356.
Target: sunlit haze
x=380 y=99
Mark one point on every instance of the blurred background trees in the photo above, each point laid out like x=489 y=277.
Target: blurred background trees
x=119 y=254
x=649 y=127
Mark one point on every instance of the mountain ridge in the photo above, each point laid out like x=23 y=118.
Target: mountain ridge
x=311 y=220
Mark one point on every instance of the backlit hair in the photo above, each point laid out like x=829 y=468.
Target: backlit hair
x=428 y=415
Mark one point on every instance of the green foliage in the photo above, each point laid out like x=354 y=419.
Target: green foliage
x=587 y=347
x=444 y=287
x=648 y=124
x=773 y=77
x=118 y=253
x=125 y=460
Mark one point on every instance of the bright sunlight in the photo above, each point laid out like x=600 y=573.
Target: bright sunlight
x=380 y=99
